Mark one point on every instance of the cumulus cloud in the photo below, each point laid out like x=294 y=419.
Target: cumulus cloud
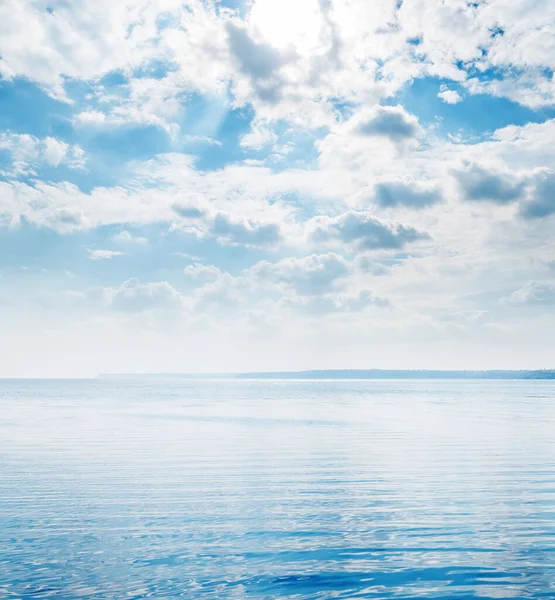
x=187 y=211
x=358 y=52
x=412 y=195
x=245 y=232
x=134 y=296
x=131 y=297
x=259 y=137
x=222 y=293
x=259 y=61
x=82 y=42
x=542 y=203
x=372 y=138
x=480 y=184
x=202 y=273
x=388 y=121
x=368 y=265
x=449 y=96
x=364 y=231
x=28 y=153
x=237 y=204
x=309 y=275
x=324 y=83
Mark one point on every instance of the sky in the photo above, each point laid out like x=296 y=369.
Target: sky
x=202 y=186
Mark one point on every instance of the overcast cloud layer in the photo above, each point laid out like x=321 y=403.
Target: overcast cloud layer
x=218 y=186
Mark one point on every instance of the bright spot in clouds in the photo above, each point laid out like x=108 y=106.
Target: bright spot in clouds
x=288 y=23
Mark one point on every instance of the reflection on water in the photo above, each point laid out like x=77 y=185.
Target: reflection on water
x=230 y=489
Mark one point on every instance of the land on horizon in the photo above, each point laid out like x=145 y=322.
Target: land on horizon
x=339 y=374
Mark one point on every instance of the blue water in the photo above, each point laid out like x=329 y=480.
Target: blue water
x=229 y=489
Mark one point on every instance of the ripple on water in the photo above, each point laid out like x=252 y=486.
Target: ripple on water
x=230 y=489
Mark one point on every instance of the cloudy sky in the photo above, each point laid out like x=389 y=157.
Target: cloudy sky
x=191 y=185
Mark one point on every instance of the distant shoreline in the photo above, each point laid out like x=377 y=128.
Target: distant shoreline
x=351 y=374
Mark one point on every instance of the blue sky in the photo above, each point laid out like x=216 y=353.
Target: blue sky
x=223 y=186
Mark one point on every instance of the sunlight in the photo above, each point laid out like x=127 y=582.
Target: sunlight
x=288 y=23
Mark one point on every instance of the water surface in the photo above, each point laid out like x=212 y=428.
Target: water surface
x=277 y=489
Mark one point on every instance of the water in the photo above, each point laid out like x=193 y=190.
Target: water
x=230 y=489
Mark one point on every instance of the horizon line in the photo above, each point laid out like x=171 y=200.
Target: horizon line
x=316 y=374
x=355 y=374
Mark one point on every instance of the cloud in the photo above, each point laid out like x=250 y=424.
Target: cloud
x=203 y=273
x=104 y=254
x=309 y=275
x=364 y=299
x=236 y=204
x=54 y=151
x=134 y=296
x=542 y=203
x=258 y=138
x=29 y=153
x=363 y=230
x=450 y=96
x=221 y=292
x=188 y=212
x=230 y=230
x=259 y=61
x=125 y=237
x=368 y=265
x=79 y=42
x=392 y=122
x=478 y=184
x=90 y=118
x=411 y=195
x=534 y=293
x=356 y=52
x=315 y=306
x=373 y=138
x=260 y=78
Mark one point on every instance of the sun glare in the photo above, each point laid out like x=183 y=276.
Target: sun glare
x=288 y=23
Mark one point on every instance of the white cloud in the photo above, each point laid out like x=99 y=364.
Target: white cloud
x=54 y=151
x=134 y=296
x=203 y=273
x=220 y=294
x=382 y=262
x=104 y=254
x=259 y=137
x=542 y=202
x=355 y=51
x=28 y=153
x=326 y=304
x=125 y=237
x=482 y=184
x=363 y=230
x=90 y=117
x=436 y=237
x=82 y=42
x=235 y=231
x=309 y=275
x=413 y=194
x=450 y=96
x=391 y=122
x=534 y=293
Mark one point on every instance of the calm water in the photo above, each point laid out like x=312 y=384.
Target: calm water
x=222 y=489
